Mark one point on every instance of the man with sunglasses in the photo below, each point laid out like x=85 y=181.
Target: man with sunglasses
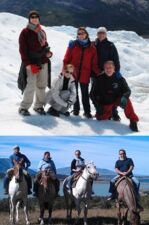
x=63 y=93
x=123 y=167
x=35 y=54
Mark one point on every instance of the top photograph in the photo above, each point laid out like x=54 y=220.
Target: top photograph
x=74 y=67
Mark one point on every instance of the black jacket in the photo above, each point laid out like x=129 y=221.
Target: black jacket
x=106 y=50
x=105 y=90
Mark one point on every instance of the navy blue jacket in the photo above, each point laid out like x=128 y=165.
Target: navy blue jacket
x=20 y=157
x=106 y=50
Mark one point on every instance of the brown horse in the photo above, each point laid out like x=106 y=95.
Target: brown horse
x=46 y=194
x=127 y=202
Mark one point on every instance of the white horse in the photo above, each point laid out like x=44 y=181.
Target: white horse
x=81 y=193
x=18 y=193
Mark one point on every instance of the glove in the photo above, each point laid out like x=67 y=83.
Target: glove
x=69 y=104
x=35 y=69
x=124 y=101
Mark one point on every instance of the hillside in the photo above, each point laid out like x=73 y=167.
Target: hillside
x=115 y=14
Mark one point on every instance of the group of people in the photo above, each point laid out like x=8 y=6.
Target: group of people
x=83 y=61
x=123 y=167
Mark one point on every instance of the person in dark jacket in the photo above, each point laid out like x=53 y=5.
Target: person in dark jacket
x=83 y=56
x=35 y=54
x=18 y=157
x=106 y=50
x=109 y=91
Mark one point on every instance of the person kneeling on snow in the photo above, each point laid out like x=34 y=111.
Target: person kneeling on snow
x=63 y=93
x=108 y=92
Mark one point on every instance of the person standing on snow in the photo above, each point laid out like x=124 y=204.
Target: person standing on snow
x=35 y=54
x=83 y=56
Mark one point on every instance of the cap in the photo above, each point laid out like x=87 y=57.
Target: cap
x=101 y=30
x=33 y=12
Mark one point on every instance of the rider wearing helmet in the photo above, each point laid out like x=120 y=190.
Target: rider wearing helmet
x=18 y=157
x=46 y=164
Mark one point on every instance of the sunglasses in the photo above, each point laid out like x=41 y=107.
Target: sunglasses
x=81 y=33
x=34 y=17
x=69 y=72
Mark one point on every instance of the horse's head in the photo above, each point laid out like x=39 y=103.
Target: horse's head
x=90 y=168
x=18 y=172
x=47 y=176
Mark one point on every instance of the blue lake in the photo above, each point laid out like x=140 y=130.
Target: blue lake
x=100 y=188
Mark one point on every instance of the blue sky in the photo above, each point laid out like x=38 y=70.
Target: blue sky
x=102 y=150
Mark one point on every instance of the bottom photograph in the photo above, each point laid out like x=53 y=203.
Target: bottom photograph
x=74 y=180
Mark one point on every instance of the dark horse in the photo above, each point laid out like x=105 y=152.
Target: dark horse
x=127 y=202
x=46 y=194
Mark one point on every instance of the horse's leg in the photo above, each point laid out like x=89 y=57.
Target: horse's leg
x=125 y=217
x=11 y=211
x=50 y=213
x=17 y=211
x=85 y=213
x=26 y=212
x=118 y=213
x=41 y=219
x=78 y=209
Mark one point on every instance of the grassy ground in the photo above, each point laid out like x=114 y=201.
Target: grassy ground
x=95 y=217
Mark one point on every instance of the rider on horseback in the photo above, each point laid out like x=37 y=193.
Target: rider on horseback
x=124 y=167
x=46 y=164
x=15 y=158
x=77 y=166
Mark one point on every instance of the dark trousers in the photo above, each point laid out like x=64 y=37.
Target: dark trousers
x=6 y=182
x=85 y=98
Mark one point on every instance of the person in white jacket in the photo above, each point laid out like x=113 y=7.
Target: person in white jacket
x=63 y=93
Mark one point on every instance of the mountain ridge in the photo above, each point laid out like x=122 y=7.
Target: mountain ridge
x=114 y=14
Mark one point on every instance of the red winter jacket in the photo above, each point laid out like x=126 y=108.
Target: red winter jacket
x=28 y=42
x=84 y=60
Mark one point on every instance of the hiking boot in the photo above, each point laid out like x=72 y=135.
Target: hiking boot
x=133 y=126
x=40 y=111
x=76 y=113
x=116 y=117
x=24 y=112
x=65 y=114
x=111 y=197
x=53 y=112
x=88 y=115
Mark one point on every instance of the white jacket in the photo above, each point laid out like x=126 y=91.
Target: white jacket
x=56 y=91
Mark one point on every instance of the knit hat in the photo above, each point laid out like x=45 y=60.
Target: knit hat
x=33 y=12
x=83 y=29
x=101 y=30
x=16 y=147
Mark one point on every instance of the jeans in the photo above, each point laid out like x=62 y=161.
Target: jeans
x=114 y=179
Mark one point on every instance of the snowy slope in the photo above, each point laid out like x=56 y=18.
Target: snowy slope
x=134 y=53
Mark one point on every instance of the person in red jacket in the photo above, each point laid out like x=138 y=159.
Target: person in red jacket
x=34 y=52
x=83 y=56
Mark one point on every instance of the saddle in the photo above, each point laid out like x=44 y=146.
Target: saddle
x=76 y=178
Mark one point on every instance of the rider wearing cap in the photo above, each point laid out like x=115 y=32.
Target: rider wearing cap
x=18 y=157
x=124 y=167
x=46 y=164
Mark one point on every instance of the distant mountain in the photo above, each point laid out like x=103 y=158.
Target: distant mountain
x=5 y=165
x=114 y=14
x=103 y=172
